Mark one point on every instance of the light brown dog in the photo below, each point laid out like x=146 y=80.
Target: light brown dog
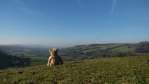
x=54 y=59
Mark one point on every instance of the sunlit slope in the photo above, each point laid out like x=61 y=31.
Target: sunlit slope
x=126 y=70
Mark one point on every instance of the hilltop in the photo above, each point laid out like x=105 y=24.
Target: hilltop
x=116 y=70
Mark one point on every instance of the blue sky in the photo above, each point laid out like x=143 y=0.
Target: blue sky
x=72 y=22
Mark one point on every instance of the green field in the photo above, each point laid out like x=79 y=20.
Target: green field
x=115 y=70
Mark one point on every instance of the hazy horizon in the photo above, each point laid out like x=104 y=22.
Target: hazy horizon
x=67 y=45
x=73 y=22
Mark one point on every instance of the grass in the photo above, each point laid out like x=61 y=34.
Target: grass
x=126 y=70
x=124 y=49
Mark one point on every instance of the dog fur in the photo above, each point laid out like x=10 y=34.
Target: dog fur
x=54 y=59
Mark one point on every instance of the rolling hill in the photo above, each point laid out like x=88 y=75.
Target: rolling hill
x=106 y=50
x=75 y=52
x=12 y=61
x=39 y=55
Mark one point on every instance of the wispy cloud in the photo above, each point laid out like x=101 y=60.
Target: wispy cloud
x=80 y=3
x=114 y=3
x=22 y=6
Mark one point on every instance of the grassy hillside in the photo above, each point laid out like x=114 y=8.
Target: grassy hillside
x=126 y=70
x=98 y=50
x=106 y=50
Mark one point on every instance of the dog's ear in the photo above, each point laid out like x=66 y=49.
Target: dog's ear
x=50 y=50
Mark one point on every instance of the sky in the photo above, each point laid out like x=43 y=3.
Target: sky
x=73 y=22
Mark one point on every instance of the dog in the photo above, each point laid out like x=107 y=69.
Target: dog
x=54 y=59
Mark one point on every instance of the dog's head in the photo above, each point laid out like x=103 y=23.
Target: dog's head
x=53 y=51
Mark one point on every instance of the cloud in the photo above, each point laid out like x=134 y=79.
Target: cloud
x=22 y=6
x=26 y=10
x=80 y=4
x=114 y=3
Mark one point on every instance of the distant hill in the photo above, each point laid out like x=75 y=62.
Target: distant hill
x=81 y=51
x=21 y=50
x=106 y=50
x=143 y=47
x=12 y=61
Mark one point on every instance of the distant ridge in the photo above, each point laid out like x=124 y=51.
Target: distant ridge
x=12 y=61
